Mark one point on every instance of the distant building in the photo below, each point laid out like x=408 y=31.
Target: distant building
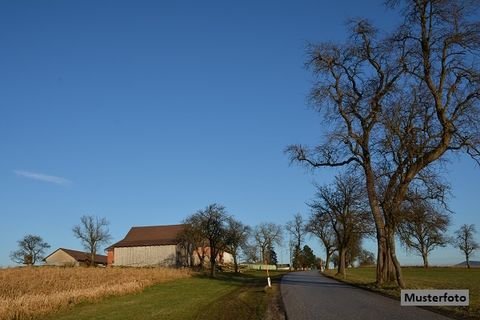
x=69 y=257
x=153 y=246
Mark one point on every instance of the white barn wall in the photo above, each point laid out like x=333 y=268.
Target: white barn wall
x=61 y=258
x=165 y=255
x=227 y=258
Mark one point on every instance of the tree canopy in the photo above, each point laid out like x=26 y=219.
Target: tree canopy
x=31 y=249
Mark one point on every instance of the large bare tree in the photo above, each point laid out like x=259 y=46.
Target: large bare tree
x=397 y=104
x=31 y=249
x=464 y=240
x=93 y=233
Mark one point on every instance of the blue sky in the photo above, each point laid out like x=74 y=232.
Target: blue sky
x=146 y=111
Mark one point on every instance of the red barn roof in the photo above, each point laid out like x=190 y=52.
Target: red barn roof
x=150 y=236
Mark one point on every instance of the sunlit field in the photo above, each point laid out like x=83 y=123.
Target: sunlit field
x=26 y=293
x=228 y=296
x=431 y=278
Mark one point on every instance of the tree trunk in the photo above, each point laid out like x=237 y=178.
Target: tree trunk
x=467 y=258
x=191 y=255
x=201 y=258
x=341 y=263
x=212 y=266
x=382 y=260
x=327 y=260
x=386 y=271
x=394 y=260
x=425 y=260
x=382 y=270
x=389 y=268
x=235 y=263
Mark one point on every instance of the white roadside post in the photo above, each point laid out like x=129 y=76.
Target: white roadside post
x=268 y=275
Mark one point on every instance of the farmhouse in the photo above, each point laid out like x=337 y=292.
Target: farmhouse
x=152 y=246
x=69 y=257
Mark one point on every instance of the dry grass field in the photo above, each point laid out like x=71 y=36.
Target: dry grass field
x=27 y=293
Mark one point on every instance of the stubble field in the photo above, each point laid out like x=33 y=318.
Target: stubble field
x=27 y=293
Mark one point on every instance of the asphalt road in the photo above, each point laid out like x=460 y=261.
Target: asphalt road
x=310 y=295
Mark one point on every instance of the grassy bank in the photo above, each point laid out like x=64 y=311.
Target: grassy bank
x=432 y=278
x=199 y=297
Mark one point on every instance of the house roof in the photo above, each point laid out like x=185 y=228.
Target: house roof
x=81 y=256
x=150 y=236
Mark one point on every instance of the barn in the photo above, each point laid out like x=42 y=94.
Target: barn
x=151 y=246
x=69 y=257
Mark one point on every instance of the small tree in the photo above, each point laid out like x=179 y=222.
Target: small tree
x=344 y=205
x=320 y=226
x=465 y=242
x=272 y=256
x=353 y=251
x=266 y=235
x=211 y=225
x=309 y=258
x=93 y=233
x=193 y=241
x=296 y=228
x=366 y=258
x=250 y=252
x=423 y=229
x=31 y=249
x=298 y=257
x=237 y=235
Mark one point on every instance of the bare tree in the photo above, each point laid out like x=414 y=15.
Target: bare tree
x=319 y=225
x=192 y=241
x=31 y=249
x=250 y=252
x=398 y=105
x=423 y=229
x=211 y=224
x=266 y=235
x=236 y=238
x=296 y=228
x=93 y=233
x=354 y=250
x=366 y=258
x=345 y=206
x=465 y=242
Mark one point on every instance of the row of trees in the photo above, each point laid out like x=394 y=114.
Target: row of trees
x=397 y=105
x=92 y=232
x=212 y=230
x=341 y=219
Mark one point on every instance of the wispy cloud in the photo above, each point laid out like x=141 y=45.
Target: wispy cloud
x=42 y=177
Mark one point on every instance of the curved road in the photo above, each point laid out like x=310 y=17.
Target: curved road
x=310 y=295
